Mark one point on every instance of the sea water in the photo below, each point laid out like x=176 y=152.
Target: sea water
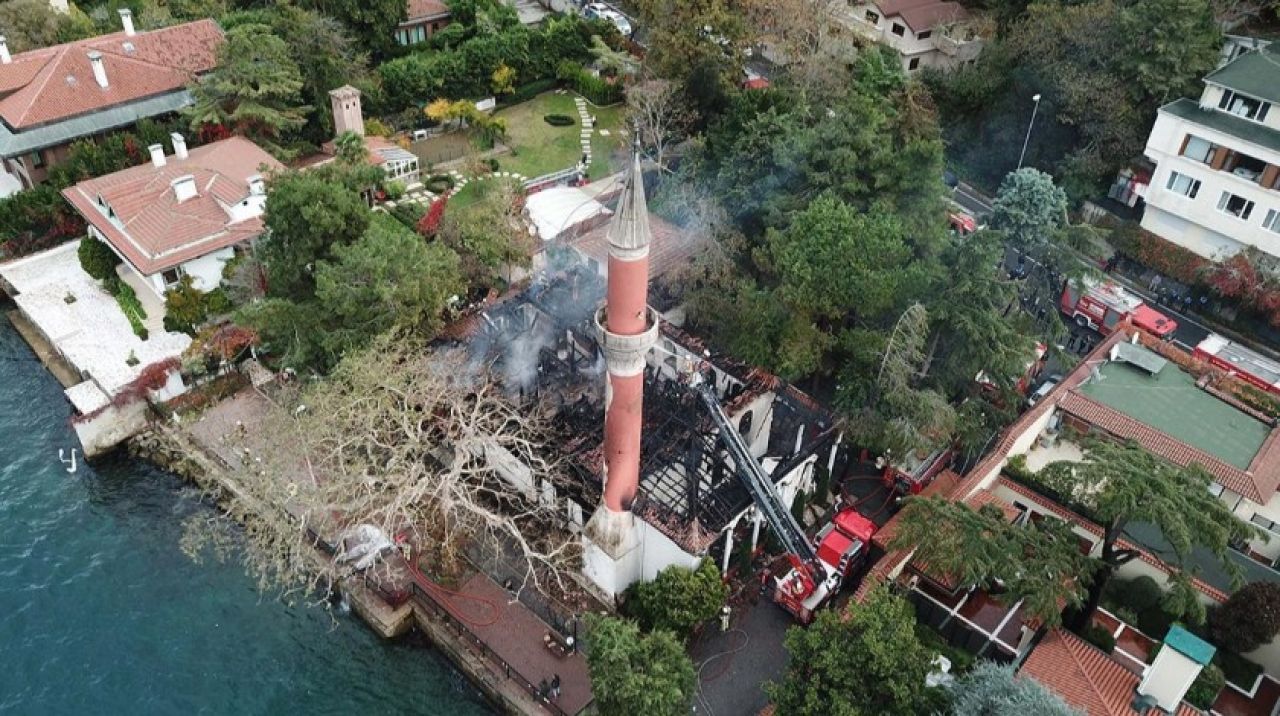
x=101 y=612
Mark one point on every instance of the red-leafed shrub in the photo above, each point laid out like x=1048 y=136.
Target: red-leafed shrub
x=429 y=224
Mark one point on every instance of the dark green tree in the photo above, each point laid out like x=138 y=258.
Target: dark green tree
x=685 y=34
x=31 y=24
x=389 y=278
x=324 y=52
x=256 y=90
x=635 y=673
x=981 y=548
x=678 y=599
x=372 y=22
x=307 y=214
x=97 y=259
x=975 y=315
x=1121 y=483
x=1174 y=43
x=866 y=662
x=1029 y=208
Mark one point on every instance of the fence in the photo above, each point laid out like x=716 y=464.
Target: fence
x=477 y=644
x=559 y=616
x=537 y=184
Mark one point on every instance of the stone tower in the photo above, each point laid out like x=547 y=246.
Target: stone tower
x=347 y=115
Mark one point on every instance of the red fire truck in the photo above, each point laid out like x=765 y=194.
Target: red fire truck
x=1254 y=369
x=1102 y=306
x=913 y=473
x=818 y=567
x=1029 y=373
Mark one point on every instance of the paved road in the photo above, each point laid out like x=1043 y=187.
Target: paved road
x=972 y=201
x=1189 y=333
x=732 y=666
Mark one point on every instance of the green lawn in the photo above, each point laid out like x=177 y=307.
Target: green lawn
x=539 y=148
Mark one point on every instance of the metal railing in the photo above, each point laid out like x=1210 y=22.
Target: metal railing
x=478 y=645
x=552 y=178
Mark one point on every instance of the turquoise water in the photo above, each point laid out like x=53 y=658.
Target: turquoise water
x=101 y=613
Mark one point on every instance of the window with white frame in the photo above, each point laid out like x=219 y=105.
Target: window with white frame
x=925 y=35
x=1266 y=524
x=1182 y=184
x=1244 y=106
x=1236 y=206
x=872 y=17
x=1272 y=221
x=898 y=30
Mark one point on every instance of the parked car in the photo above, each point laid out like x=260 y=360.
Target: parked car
x=600 y=11
x=1043 y=390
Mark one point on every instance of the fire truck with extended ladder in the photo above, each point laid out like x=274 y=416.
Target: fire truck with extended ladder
x=818 y=567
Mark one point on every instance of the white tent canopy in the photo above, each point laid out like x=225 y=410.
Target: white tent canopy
x=558 y=209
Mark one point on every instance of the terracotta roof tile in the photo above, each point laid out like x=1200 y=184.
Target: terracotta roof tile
x=923 y=15
x=1085 y=677
x=56 y=83
x=670 y=248
x=426 y=9
x=158 y=231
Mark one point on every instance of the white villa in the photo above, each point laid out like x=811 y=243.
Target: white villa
x=1216 y=187
x=179 y=215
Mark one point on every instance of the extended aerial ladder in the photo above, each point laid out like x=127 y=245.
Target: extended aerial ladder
x=817 y=571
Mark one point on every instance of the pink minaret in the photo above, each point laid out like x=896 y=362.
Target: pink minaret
x=627 y=329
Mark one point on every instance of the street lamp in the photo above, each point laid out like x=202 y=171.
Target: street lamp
x=1034 y=98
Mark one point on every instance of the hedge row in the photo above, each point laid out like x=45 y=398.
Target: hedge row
x=1154 y=252
x=129 y=303
x=466 y=71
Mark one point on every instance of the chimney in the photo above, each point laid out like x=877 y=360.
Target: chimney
x=1175 y=668
x=179 y=146
x=347 y=115
x=157 y=155
x=184 y=187
x=257 y=187
x=126 y=19
x=4 y=50
x=627 y=328
x=99 y=69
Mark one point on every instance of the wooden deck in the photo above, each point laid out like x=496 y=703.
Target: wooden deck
x=516 y=635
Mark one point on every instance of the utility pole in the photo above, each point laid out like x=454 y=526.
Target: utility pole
x=1034 y=98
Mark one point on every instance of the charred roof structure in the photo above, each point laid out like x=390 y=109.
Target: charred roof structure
x=539 y=340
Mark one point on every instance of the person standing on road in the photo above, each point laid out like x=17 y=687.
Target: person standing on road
x=1155 y=283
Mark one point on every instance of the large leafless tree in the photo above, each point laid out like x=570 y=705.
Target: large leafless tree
x=658 y=110
x=422 y=446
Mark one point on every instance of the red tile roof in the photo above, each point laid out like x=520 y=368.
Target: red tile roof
x=670 y=248
x=922 y=15
x=158 y=231
x=426 y=9
x=1085 y=677
x=56 y=83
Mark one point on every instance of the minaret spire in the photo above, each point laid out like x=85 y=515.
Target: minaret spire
x=627 y=329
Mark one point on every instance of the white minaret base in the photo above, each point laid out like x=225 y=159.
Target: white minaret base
x=611 y=554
